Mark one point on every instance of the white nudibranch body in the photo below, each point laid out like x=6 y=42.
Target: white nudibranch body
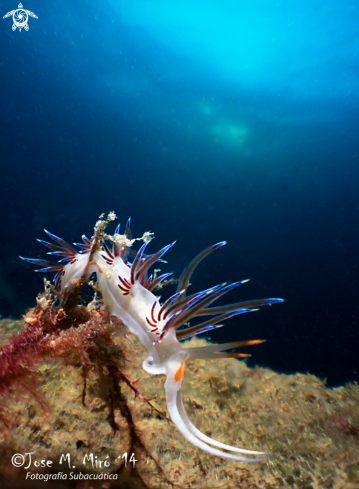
x=127 y=292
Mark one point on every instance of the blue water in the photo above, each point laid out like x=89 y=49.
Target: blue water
x=203 y=121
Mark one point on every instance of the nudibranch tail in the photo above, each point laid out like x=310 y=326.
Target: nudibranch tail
x=209 y=440
x=191 y=433
x=127 y=292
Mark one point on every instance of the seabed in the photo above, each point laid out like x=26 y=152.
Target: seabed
x=310 y=431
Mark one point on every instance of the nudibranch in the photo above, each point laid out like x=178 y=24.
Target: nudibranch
x=127 y=291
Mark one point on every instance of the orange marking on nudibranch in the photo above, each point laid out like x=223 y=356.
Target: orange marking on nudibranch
x=238 y=355
x=252 y=342
x=179 y=373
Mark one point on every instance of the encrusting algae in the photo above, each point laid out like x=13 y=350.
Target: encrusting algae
x=77 y=410
x=311 y=431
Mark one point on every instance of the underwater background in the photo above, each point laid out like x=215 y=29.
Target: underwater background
x=203 y=121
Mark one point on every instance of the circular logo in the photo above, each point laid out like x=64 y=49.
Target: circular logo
x=20 y=18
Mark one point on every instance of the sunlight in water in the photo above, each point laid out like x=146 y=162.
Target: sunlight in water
x=230 y=134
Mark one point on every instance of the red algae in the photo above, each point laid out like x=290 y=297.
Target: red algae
x=82 y=337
